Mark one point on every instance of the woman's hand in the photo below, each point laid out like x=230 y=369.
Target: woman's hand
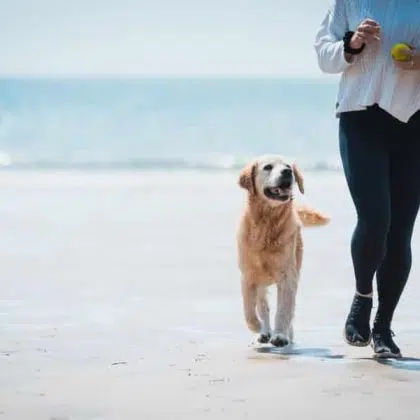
x=413 y=63
x=366 y=33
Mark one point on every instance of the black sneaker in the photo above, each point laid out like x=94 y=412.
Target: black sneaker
x=384 y=346
x=357 y=328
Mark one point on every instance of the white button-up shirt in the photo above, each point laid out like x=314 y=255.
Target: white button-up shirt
x=372 y=76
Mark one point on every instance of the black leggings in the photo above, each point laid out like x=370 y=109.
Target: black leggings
x=381 y=160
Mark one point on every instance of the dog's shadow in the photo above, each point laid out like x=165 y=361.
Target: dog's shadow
x=291 y=351
x=404 y=363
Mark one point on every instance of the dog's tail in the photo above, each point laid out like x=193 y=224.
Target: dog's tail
x=249 y=295
x=311 y=217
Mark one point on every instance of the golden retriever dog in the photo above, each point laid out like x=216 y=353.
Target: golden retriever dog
x=270 y=245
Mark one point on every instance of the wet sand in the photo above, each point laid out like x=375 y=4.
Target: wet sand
x=120 y=300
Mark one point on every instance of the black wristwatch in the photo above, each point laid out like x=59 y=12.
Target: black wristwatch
x=347 y=49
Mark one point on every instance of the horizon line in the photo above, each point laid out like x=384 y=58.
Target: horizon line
x=290 y=77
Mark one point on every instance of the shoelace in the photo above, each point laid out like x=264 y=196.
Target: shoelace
x=384 y=339
x=358 y=308
x=385 y=334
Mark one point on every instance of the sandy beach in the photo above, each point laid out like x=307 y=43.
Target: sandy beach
x=120 y=300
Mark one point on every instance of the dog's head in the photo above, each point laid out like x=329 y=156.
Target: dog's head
x=272 y=178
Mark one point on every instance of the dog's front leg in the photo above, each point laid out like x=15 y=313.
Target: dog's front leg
x=286 y=301
x=249 y=297
x=263 y=310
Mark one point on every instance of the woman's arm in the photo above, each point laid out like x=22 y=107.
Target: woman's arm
x=329 y=44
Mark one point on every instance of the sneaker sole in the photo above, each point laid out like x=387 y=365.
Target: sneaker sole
x=357 y=343
x=387 y=355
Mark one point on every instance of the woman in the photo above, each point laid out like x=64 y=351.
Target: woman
x=379 y=134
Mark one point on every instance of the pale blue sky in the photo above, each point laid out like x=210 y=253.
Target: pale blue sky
x=159 y=37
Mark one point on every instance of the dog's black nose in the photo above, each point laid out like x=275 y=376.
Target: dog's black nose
x=286 y=173
x=286 y=178
x=285 y=183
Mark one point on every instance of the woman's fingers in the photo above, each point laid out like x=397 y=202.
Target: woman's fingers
x=368 y=31
x=374 y=30
x=370 y=22
x=367 y=37
x=405 y=65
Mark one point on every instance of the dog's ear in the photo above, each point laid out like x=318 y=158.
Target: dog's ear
x=247 y=178
x=299 y=178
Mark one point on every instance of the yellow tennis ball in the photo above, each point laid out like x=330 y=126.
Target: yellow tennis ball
x=401 y=52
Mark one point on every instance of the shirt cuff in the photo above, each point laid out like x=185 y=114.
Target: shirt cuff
x=340 y=57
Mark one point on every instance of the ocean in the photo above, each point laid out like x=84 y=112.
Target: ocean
x=165 y=124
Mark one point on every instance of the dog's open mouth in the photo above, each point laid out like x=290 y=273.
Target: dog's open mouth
x=277 y=193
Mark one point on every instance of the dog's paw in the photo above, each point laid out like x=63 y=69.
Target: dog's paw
x=280 y=340
x=264 y=338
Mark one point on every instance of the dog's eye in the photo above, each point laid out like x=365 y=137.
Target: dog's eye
x=268 y=167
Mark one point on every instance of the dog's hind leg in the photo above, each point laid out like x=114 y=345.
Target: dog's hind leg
x=249 y=296
x=263 y=310
x=286 y=301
